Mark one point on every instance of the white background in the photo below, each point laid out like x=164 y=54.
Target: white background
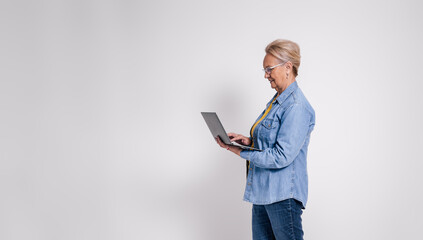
x=101 y=135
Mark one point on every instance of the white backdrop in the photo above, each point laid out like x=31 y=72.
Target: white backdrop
x=101 y=135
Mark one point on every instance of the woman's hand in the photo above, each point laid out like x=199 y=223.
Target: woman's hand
x=240 y=139
x=234 y=149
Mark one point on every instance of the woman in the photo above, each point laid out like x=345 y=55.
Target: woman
x=277 y=181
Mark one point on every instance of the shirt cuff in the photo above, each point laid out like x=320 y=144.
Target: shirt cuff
x=245 y=154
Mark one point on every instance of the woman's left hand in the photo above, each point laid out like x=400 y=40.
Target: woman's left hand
x=234 y=149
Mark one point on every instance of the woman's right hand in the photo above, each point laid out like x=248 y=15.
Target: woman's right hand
x=240 y=139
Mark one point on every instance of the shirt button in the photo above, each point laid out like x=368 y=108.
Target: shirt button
x=249 y=183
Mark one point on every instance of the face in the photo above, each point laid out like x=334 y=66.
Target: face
x=277 y=77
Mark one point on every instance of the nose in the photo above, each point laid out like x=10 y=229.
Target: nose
x=266 y=75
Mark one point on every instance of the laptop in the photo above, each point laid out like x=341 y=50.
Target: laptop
x=216 y=129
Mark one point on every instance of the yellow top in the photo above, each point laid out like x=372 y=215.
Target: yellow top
x=256 y=123
x=262 y=117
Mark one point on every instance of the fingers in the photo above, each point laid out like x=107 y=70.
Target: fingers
x=221 y=144
x=232 y=135
x=235 y=137
x=239 y=138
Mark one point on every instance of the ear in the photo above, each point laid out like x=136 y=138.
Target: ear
x=288 y=66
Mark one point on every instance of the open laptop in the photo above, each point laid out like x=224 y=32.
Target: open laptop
x=216 y=129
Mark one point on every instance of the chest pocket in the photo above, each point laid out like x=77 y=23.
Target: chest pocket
x=268 y=131
x=270 y=123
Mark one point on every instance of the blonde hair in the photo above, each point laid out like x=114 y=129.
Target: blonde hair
x=285 y=51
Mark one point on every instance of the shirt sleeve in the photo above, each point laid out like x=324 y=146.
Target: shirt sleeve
x=295 y=125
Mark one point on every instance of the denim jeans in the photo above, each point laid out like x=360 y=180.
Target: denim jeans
x=279 y=220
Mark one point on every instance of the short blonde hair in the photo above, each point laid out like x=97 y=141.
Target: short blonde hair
x=285 y=51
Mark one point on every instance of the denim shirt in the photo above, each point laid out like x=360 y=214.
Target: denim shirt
x=279 y=171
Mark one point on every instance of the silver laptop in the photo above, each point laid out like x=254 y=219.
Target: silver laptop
x=216 y=129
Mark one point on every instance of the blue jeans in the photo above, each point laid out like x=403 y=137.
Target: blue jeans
x=280 y=220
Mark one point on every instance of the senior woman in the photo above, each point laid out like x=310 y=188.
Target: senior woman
x=277 y=181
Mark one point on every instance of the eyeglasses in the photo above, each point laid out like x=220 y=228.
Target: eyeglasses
x=268 y=70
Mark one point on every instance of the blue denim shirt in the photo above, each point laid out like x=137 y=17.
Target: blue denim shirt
x=279 y=172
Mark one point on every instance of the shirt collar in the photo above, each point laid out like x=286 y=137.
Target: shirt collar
x=291 y=88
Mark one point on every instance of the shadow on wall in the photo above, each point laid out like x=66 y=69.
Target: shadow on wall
x=210 y=206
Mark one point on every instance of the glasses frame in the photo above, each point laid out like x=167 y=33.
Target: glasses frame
x=268 y=70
